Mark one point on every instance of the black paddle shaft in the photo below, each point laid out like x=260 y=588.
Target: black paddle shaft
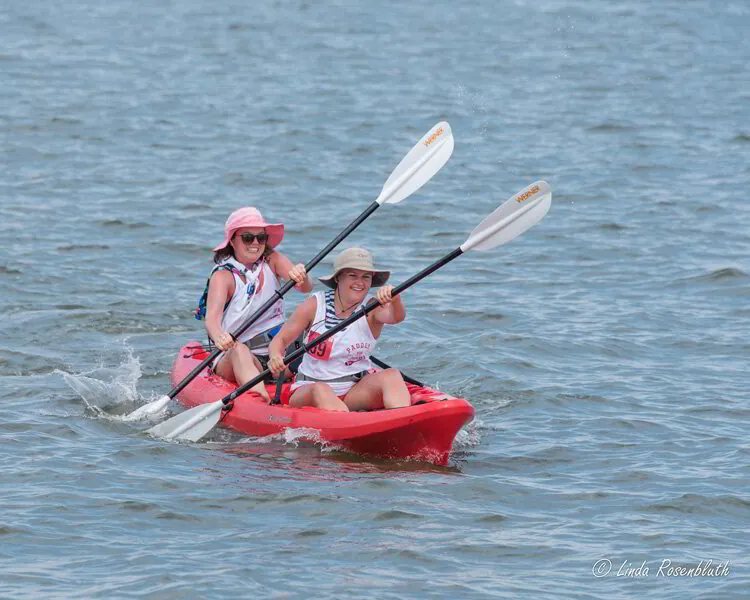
x=407 y=379
x=372 y=305
x=279 y=295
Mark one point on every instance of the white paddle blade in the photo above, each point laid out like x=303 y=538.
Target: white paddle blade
x=512 y=218
x=191 y=424
x=148 y=410
x=419 y=165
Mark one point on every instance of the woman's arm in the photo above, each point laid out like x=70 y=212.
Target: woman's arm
x=220 y=290
x=390 y=312
x=300 y=320
x=284 y=269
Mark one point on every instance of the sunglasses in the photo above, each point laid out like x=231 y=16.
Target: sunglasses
x=249 y=237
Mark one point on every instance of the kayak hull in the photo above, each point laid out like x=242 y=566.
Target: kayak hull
x=424 y=431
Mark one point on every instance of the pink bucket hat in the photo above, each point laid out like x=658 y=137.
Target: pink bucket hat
x=250 y=216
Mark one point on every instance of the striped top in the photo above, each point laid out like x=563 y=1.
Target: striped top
x=331 y=320
x=345 y=353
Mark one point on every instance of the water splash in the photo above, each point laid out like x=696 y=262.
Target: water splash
x=267 y=439
x=305 y=434
x=478 y=106
x=109 y=392
x=469 y=436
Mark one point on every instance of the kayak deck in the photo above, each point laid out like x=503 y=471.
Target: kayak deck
x=423 y=431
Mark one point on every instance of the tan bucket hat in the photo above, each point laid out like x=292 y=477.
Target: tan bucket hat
x=355 y=258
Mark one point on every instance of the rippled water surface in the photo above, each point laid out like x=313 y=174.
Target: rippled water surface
x=605 y=351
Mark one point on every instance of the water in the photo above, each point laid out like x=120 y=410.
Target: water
x=605 y=351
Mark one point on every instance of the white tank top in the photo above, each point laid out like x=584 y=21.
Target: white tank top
x=260 y=286
x=346 y=353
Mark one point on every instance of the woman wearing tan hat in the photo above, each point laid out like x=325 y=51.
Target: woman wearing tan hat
x=246 y=276
x=335 y=374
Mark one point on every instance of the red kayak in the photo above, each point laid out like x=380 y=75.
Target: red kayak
x=423 y=431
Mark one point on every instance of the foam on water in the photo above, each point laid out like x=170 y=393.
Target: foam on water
x=110 y=392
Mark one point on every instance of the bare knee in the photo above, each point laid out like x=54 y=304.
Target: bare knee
x=321 y=392
x=395 y=392
x=393 y=381
x=326 y=399
x=393 y=376
x=242 y=358
x=240 y=351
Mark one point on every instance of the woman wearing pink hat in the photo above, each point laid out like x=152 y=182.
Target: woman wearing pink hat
x=246 y=276
x=337 y=374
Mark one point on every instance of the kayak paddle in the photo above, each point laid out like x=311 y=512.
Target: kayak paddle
x=407 y=379
x=511 y=219
x=419 y=165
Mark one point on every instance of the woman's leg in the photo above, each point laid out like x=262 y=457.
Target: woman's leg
x=316 y=394
x=239 y=365
x=384 y=389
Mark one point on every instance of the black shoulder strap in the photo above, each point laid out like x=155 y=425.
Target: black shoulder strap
x=279 y=385
x=200 y=312
x=293 y=367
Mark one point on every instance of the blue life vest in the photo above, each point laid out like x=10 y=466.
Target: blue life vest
x=200 y=312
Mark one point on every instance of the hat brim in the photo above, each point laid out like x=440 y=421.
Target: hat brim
x=379 y=278
x=275 y=233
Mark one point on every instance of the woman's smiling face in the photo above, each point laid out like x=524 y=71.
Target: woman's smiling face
x=249 y=243
x=353 y=284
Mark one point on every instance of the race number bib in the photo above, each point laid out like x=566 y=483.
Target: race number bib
x=323 y=350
